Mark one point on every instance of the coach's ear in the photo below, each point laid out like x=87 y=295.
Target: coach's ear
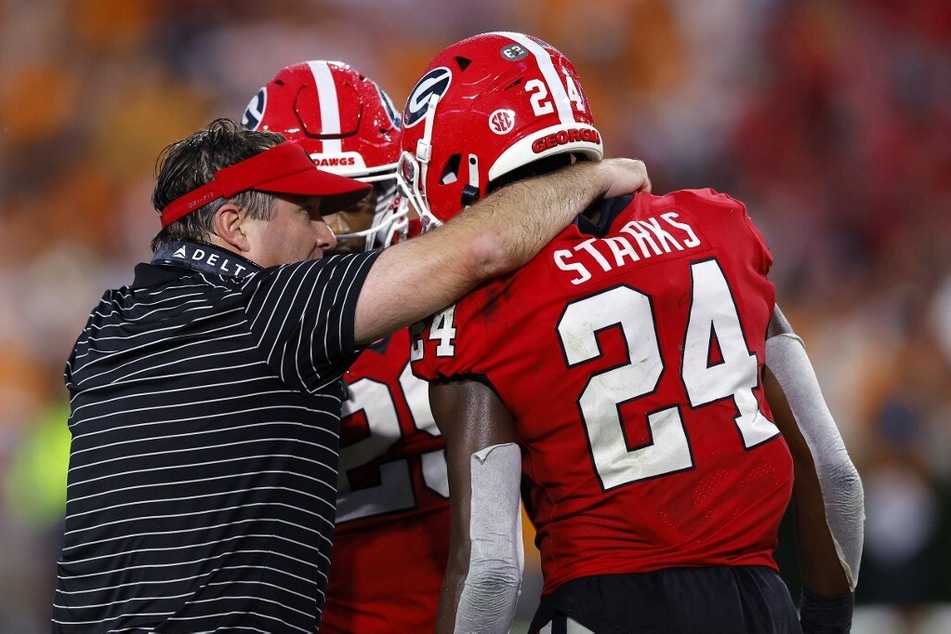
x=229 y=226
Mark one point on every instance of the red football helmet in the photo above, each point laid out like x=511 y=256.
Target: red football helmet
x=484 y=107
x=347 y=124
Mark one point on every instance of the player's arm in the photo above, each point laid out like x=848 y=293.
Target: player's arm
x=484 y=572
x=827 y=493
x=416 y=278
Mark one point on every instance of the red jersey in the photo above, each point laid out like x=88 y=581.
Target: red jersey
x=392 y=537
x=631 y=360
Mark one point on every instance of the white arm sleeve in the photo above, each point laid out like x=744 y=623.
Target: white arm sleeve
x=496 y=557
x=842 y=491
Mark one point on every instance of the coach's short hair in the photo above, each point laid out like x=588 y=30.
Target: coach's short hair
x=186 y=165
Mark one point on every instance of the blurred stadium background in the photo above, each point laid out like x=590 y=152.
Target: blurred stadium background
x=831 y=119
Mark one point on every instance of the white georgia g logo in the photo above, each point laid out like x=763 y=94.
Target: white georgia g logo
x=435 y=82
x=255 y=110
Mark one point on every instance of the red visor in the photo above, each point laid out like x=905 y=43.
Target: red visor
x=282 y=169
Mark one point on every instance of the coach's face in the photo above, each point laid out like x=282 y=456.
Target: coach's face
x=295 y=232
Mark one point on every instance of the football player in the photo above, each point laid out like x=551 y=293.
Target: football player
x=620 y=378
x=392 y=505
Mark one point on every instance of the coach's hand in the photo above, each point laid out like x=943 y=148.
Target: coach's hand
x=624 y=176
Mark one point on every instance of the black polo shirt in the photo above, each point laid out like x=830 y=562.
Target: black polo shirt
x=205 y=406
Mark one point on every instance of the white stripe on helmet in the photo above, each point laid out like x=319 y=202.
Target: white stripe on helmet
x=555 y=83
x=329 y=108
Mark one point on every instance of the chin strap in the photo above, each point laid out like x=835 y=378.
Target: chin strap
x=424 y=147
x=470 y=193
x=842 y=491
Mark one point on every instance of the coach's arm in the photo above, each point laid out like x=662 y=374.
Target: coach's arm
x=414 y=279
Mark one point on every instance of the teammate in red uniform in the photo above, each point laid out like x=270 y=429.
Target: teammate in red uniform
x=619 y=377
x=392 y=504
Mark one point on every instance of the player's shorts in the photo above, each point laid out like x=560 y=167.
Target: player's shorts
x=714 y=600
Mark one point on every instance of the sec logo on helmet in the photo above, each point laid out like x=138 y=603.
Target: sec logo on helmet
x=435 y=82
x=502 y=121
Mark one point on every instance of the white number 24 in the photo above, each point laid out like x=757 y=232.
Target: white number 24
x=542 y=103
x=712 y=314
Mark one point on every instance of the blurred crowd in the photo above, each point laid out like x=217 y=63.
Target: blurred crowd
x=830 y=119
